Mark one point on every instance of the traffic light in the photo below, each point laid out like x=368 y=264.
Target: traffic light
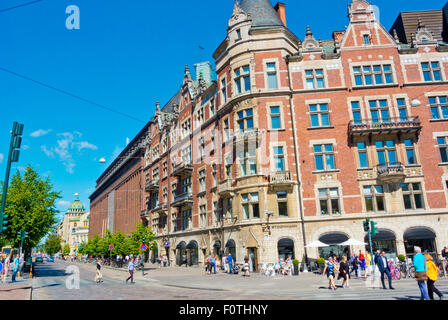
x=144 y=240
x=373 y=229
x=4 y=226
x=366 y=225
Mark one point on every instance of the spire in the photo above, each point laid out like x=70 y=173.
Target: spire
x=157 y=107
x=308 y=32
x=420 y=24
x=396 y=36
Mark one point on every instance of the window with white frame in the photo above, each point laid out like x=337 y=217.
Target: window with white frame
x=315 y=79
x=229 y=209
x=165 y=195
x=356 y=111
x=215 y=175
x=155 y=174
x=212 y=107
x=228 y=161
x=279 y=158
x=165 y=169
x=154 y=200
x=402 y=109
x=251 y=208
x=186 y=155
x=186 y=185
x=201 y=146
x=223 y=91
x=271 y=71
x=248 y=160
x=431 y=71
x=319 y=114
x=329 y=201
x=186 y=128
x=174 y=222
x=373 y=75
x=362 y=154
x=276 y=120
x=366 y=39
x=379 y=111
x=165 y=144
x=155 y=153
x=443 y=147
x=226 y=129
x=242 y=79
x=246 y=120
x=410 y=151
x=282 y=201
x=412 y=196
x=324 y=157
x=203 y=215
x=200 y=115
x=187 y=219
x=374 y=198
x=387 y=152
x=439 y=107
x=202 y=184
x=173 y=191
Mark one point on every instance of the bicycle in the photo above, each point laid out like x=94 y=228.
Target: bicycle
x=407 y=270
x=394 y=271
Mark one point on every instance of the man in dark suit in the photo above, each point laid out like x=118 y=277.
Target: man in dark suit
x=383 y=266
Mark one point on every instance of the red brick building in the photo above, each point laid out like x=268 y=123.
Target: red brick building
x=297 y=141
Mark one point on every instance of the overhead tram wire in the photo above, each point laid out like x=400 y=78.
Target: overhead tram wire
x=71 y=95
x=20 y=6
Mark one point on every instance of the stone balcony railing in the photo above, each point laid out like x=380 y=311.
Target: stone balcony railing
x=183 y=168
x=391 y=172
x=152 y=185
x=184 y=199
x=387 y=125
x=225 y=188
x=161 y=208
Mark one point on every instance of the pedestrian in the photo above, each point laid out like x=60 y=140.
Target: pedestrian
x=225 y=263
x=213 y=264
x=230 y=263
x=207 y=265
x=420 y=272
x=246 y=267
x=329 y=271
x=354 y=261
x=159 y=261
x=384 y=268
x=164 y=260
x=21 y=265
x=369 y=268
x=99 y=275
x=344 y=272
x=289 y=265
x=131 y=270
x=6 y=267
x=445 y=260
x=432 y=273
x=362 y=260
x=15 y=268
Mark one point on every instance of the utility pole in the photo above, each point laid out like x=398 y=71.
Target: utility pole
x=370 y=227
x=13 y=156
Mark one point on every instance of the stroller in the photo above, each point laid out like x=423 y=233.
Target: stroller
x=235 y=269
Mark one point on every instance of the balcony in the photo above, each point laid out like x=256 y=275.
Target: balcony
x=144 y=214
x=247 y=136
x=161 y=208
x=225 y=188
x=389 y=125
x=280 y=179
x=184 y=199
x=184 y=168
x=391 y=172
x=152 y=185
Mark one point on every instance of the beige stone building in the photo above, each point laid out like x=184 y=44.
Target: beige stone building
x=74 y=228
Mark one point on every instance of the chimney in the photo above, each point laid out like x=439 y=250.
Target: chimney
x=280 y=8
x=338 y=35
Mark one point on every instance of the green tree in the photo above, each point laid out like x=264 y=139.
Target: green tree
x=66 y=250
x=135 y=239
x=120 y=243
x=53 y=244
x=30 y=205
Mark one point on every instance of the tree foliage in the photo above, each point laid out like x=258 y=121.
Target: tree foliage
x=66 y=250
x=53 y=244
x=123 y=244
x=31 y=206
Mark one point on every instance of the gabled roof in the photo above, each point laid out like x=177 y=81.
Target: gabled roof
x=262 y=13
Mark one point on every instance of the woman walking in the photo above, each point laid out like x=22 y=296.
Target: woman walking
x=432 y=273
x=329 y=270
x=6 y=267
x=344 y=272
x=246 y=267
x=98 y=276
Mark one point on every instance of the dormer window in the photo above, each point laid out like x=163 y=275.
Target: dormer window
x=366 y=39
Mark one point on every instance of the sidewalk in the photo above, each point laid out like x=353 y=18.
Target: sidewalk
x=21 y=290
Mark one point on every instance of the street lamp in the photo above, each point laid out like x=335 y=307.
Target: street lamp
x=103 y=160
x=416 y=103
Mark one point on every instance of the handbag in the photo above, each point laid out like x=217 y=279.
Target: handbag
x=421 y=276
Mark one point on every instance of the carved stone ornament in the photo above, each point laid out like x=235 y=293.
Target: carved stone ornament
x=424 y=35
x=238 y=15
x=252 y=103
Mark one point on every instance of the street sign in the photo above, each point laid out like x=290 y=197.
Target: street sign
x=111 y=247
x=167 y=244
x=143 y=247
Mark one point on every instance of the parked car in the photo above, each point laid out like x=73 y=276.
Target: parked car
x=50 y=259
x=40 y=259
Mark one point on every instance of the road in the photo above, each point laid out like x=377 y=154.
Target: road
x=192 y=284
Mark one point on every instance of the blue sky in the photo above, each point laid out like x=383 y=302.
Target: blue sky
x=126 y=55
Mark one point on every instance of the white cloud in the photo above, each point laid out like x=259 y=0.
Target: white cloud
x=63 y=203
x=1 y=157
x=25 y=147
x=40 y=133
x=65 y=145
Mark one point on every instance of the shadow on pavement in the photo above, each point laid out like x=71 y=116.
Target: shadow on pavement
x=407 y=298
